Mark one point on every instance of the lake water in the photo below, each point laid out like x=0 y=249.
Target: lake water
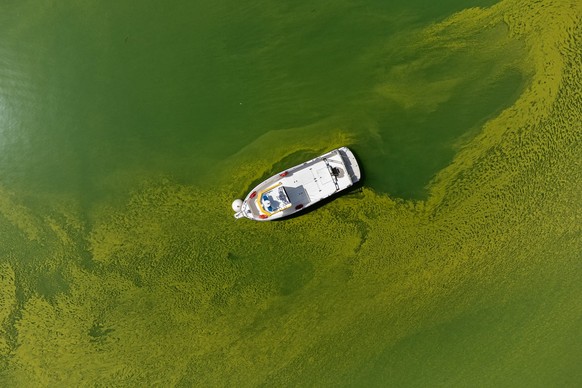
x=126 y=130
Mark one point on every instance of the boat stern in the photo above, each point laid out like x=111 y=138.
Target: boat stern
x=351 y=164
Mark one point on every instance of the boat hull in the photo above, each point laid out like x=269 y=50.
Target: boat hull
x=297 y=188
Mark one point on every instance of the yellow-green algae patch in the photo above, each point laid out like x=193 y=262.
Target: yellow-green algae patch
x=7 y=305
x=480 y=284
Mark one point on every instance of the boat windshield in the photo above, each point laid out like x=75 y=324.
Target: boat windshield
x=274 y=199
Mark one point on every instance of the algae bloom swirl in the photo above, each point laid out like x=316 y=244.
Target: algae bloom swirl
x=478 y=284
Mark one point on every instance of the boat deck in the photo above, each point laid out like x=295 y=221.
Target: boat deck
x=300 y=186
x=315 y=181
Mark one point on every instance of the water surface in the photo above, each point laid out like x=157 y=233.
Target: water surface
x=127 y=129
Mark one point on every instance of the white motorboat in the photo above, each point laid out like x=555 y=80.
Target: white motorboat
x=299 y=187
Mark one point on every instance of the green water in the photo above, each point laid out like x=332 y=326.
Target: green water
x=127 y=129
x=94 y=89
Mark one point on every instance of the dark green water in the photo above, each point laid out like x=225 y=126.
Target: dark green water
x=127 y=128
x=92 y=89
